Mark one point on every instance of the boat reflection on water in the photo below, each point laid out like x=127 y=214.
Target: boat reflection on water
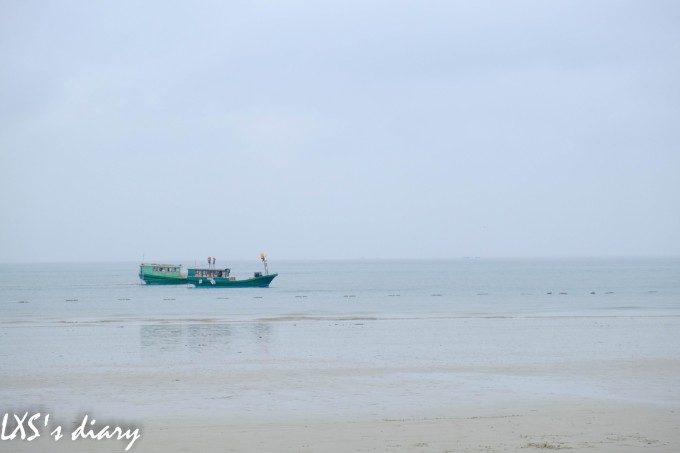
x=158 y=340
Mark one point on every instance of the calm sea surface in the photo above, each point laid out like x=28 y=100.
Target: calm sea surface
x=44 y=293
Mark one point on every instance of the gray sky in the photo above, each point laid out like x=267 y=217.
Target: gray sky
x=349 y=129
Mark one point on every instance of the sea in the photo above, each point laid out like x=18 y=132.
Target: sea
x=373 y=338
x=112 y=292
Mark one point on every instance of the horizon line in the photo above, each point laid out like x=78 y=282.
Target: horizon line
x=460 y=258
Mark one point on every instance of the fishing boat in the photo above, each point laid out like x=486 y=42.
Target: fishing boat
x=162 y=274
x=212 y=277
x=207 y=278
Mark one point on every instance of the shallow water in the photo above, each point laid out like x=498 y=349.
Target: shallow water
x=374 y=339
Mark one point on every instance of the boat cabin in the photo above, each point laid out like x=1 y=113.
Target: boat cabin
x=209 y=273
x=165 y=269
x=154 y=268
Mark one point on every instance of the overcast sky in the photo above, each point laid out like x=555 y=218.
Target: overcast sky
x=348 y=129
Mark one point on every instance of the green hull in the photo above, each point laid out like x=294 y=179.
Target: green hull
x=163 y=280
x=218 y=282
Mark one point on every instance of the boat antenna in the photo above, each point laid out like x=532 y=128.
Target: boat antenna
x=264 y=261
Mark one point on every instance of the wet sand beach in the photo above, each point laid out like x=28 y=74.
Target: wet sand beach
x=605 y=383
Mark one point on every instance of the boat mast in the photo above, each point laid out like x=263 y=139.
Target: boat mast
x=264 y=261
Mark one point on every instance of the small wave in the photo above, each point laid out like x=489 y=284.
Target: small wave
x=318 y=318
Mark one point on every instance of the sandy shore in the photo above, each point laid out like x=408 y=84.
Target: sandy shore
x=540 y=427
x=606 y=429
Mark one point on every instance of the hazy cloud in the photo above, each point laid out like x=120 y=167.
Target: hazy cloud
x=346 y=129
